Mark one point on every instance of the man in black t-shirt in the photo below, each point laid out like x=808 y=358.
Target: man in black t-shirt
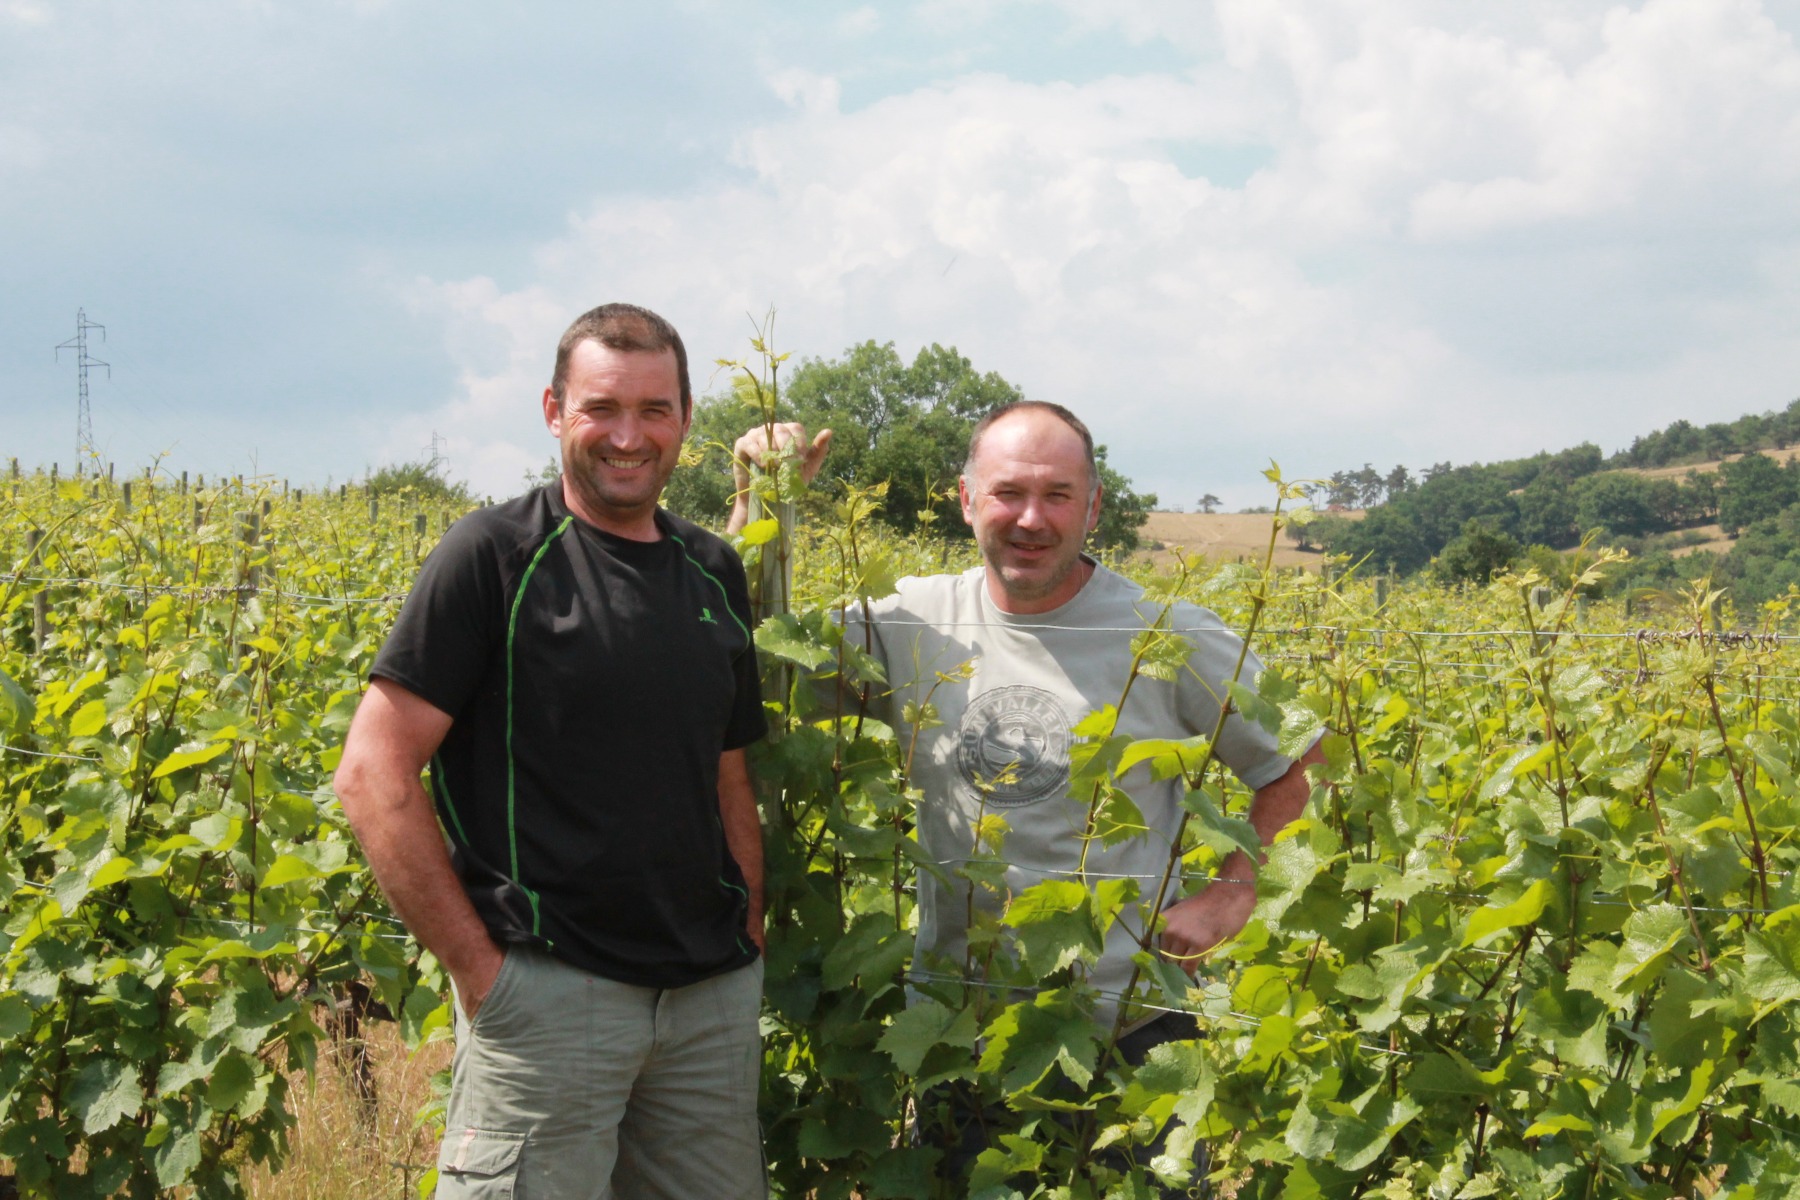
x=575 y=668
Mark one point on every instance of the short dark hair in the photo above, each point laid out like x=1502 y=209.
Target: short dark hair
x=622 y=327
x=1064 y=415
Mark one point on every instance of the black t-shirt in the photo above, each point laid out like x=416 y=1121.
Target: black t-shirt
x=593 y=681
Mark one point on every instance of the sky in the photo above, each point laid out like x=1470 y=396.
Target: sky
x=1321 y=233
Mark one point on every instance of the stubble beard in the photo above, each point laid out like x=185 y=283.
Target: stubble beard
x=1026 y=585
x=583 y=468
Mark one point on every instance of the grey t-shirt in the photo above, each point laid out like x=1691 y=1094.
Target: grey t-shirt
x=1008 y=725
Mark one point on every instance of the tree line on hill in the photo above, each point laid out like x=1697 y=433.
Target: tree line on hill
x=1467 y=523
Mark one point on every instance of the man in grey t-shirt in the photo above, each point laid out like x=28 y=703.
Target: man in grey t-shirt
x=1048 y=632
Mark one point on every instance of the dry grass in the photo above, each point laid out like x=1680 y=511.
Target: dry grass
x=343 y=1147
x=1716 y=542
x=1707 y=468
x=1225 y=536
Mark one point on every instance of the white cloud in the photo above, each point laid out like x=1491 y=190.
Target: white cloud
x=25 y=12
x=503 y=344
x=1406 y=127
x=1181 y=23
x=858 y=22
x=1046 y=230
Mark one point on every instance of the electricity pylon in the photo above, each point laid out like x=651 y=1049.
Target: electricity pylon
x=84 y=419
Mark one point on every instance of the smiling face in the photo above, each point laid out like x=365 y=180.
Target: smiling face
x=620 y=423
x=1031 y=502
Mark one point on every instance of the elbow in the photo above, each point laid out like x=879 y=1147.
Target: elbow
x=351 y=782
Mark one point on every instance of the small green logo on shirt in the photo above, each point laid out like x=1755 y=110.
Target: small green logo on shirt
x=706 y=616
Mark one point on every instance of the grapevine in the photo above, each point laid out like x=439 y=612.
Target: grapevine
x=1538 y=934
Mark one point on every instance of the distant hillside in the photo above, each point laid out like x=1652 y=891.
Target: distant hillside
x=1685 y=501
x=1682 y=442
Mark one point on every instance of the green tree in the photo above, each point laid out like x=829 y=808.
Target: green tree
x=700 y=489
x=425 y=479
x=1547 y=513
x=1617 y=502
x=1753 y=488
x=1479 y=553
x=906 y=425
x=1122 y=511
x=903 y=425
x=1388 y=536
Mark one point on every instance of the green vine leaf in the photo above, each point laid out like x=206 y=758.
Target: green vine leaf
x=105 y=1091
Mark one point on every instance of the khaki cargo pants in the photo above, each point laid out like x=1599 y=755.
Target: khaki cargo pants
x=568 y=1086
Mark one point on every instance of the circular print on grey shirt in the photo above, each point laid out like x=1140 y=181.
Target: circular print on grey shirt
x=1015 y=739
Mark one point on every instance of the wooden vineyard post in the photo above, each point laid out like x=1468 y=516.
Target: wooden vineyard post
x=249 y=532
x=772 y=582
x=40 y=599
x=1540 y=600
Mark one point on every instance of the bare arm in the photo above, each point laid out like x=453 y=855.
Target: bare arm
x=1200 y=922
x=392 y=737
x=743 y=832
x=754 y=448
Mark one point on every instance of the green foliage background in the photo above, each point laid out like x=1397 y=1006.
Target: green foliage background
x=1537 y=935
